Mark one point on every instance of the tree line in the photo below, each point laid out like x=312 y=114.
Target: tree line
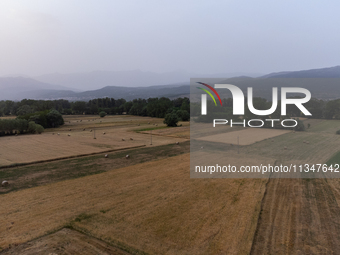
x=31 y=123
x=153 y=107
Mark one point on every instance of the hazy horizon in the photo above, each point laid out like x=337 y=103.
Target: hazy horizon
x=40 y=37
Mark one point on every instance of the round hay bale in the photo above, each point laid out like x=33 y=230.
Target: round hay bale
x=127 y=156
x=177 y=143
x=4 y=184
x=156 y=125
x=123 y=139
x=84 y=129
x=103 y=133
x=70 y=129
x=148 y=122
x=106 y=156
x=307 y=142
x=68 y=135
x=202 y=148
x=131 y=138
x=285 y=148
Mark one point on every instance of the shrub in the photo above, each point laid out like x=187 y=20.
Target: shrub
x=102 y=114
x=31 y=127
x=39 y=129
x=35 y=128
x=171 y=120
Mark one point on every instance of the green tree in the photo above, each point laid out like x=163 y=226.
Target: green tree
x=23 y=110
x=39 y=129
x=171 y=120
x=102 y=114
x=183 y=115
x=54 y=119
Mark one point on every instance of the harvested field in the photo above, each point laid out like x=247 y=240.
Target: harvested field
x=29 y=176
x=246 y=136
x=79 y=122
x=31 y=148
x=323 y=126
x=154 y=207
x=321 y=146
x=65 y=241
x=299 y=216
x=181 y=132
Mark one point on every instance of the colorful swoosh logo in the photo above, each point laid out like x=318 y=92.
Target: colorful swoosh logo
x=213 y=90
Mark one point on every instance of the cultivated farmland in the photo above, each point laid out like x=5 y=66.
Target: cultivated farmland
x=147 y=207
x=147 y=203
x=76 y=138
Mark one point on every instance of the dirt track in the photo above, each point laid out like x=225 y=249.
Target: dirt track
x=299 y=216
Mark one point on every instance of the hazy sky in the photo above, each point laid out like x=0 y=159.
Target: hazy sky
x=46 y=36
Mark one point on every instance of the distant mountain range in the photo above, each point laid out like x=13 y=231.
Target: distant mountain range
x=136 y=84
x=135 y=78
x=329 y=72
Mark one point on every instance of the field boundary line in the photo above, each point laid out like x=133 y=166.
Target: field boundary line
x=172 y=136
x=259 y=215
x=112 y=242
x=68 y=157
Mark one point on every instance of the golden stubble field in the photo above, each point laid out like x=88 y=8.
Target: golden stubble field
x=154 y=207
x=50 y=145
